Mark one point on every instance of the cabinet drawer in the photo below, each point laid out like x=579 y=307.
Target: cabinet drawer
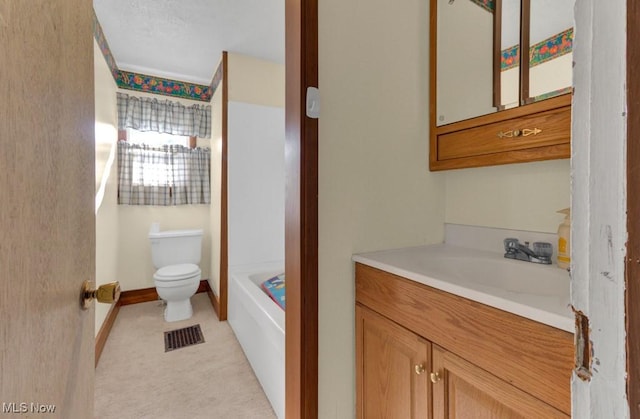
x=533 y=357
x=475 y=142
x=554 y=129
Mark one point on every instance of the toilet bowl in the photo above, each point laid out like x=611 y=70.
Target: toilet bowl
x=176 y=284
x=176 y=254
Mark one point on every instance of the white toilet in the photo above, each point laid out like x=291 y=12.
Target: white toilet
x=176 y=254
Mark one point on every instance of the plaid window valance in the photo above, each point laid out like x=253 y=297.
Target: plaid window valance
x=146 y=114
x=165 y=175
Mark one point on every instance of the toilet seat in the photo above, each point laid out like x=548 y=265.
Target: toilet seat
x=173 y=274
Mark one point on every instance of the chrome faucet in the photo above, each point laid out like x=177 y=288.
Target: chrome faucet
x=541 y=252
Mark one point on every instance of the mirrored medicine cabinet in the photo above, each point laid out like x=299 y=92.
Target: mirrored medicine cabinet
x=490 y=102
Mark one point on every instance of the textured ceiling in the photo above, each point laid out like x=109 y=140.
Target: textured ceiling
x=184 y=40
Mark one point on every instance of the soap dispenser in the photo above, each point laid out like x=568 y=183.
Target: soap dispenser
x=564 y=244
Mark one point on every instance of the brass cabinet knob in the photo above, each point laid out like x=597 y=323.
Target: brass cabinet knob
x=435 y=377
x=419 y=369
x=106 y=293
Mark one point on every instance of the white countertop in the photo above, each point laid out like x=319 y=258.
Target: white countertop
x=537 y=292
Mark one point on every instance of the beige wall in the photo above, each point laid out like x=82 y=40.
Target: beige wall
x=122 y=246
x=135 y=269
x=375 y=188
x=552 y=75
x=376 y=191
x=214 y=215
x=106 y=178
x=252 y=80
x=518 y=196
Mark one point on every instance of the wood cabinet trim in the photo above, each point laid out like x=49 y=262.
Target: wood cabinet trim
x=521 y=111
x=492 y=339
x=448 y=365
x=553 y=152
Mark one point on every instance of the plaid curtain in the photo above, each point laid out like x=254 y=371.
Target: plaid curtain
x=167 y=175
x=146 y=114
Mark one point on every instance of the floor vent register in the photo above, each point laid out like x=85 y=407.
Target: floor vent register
x=179 y=338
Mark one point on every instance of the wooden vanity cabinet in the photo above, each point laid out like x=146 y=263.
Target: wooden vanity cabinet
x=393 y=366
x=463 y=390
x=424 y=353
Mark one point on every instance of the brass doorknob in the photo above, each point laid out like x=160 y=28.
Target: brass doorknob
x=435 y=377
x=106 y=293
x=419 y=369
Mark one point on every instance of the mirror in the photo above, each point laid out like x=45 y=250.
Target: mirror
x=508 y=37
x=550 y=56
x=479 y=65
x=464 y=61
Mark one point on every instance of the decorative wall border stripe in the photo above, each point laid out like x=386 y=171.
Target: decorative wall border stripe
x=510 y=58
x=555 y=93
x=147 y=83
x=551 y=48
x=217 y=78
x=158 y=85
x=546 y=50
x=488 y=5
x=98 y=34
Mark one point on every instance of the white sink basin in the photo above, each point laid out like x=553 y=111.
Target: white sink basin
x=539 y=292
x=507 y=274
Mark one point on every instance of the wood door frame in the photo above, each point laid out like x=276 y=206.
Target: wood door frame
x=632 y=271
x=301 y=212
x=221 y=309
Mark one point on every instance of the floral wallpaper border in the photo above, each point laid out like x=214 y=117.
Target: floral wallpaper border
x=553 y=94
x=158 y=85
x=147 y=83
x=510 y=58
x=98 y=34
x=217 y=78
x=546 y=50
x=551 y=48
x=488 y=5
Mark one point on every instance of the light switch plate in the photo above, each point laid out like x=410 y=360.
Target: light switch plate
x=313 y=102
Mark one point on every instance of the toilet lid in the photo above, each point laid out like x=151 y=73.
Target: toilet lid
x=176 y=272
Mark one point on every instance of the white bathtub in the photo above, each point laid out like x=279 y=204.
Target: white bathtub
x=258 y=323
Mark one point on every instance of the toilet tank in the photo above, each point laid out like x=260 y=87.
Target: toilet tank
x=172 y=247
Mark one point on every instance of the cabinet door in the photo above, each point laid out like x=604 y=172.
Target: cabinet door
x=462 y=390
x=392 y=369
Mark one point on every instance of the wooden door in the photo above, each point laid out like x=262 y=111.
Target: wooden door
x=465 y=391
x=392 y=369
x=47 y=231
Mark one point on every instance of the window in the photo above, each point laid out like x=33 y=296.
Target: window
x=156 y=138
x=161 y=169
x=155 y=171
